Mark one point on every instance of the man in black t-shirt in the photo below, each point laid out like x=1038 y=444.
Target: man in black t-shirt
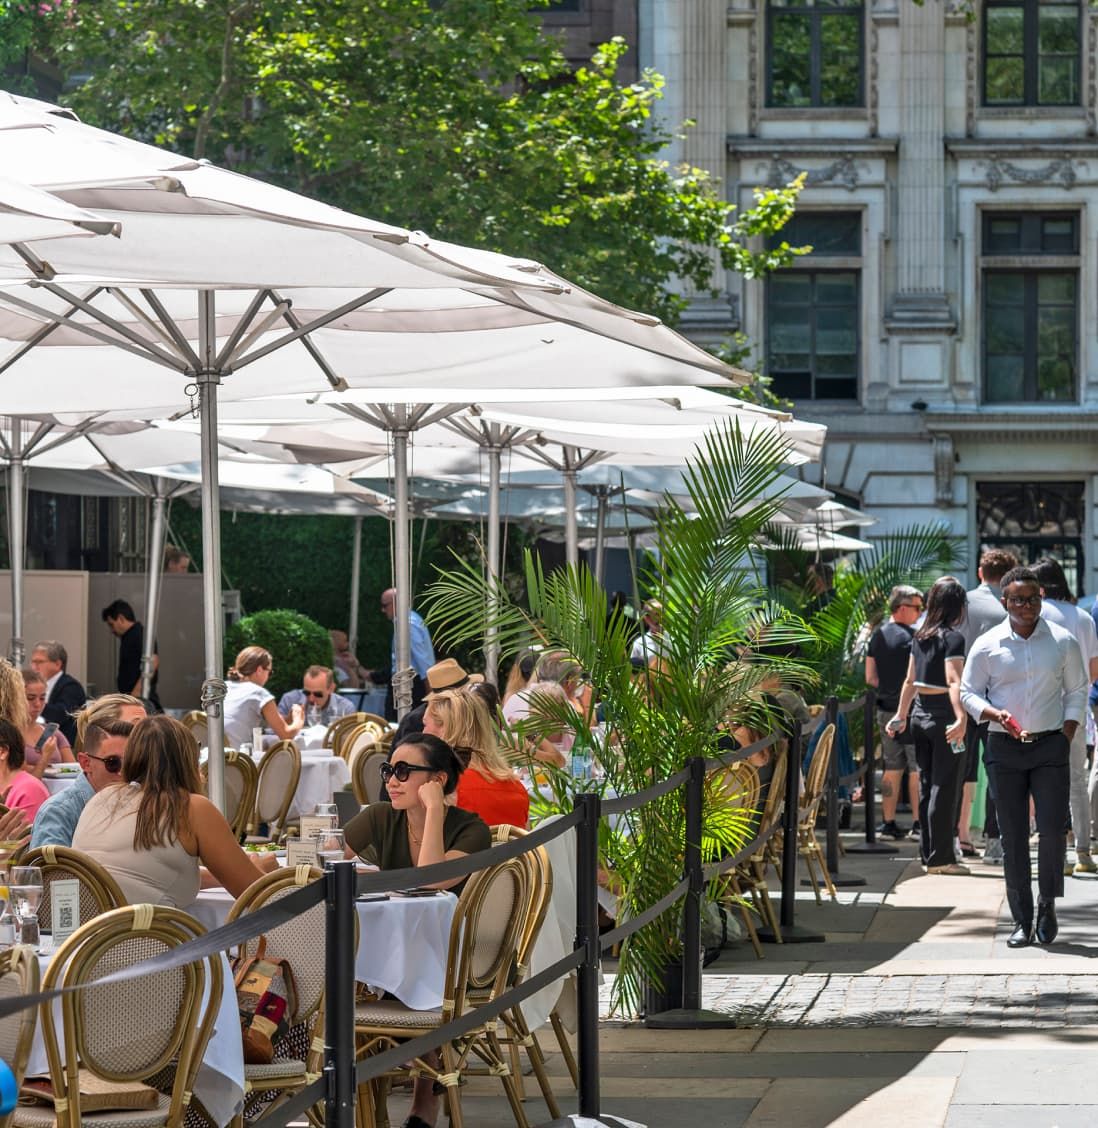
x=122 y=623
x=885 y=669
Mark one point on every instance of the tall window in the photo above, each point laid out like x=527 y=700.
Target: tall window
x=1031 y=52
x=1030 y=283
x=814 y=53
x=812 y=311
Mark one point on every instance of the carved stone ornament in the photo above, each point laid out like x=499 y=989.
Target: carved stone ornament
x=843 y=171
x=1061 y=170
x=944 y=464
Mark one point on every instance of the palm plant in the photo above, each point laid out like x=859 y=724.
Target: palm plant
x=714 y=610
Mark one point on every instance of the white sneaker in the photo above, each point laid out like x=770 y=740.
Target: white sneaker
x=958 y=853
x=993 y=853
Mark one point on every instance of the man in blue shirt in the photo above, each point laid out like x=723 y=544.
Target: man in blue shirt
x=317 y=698
x=422 y=651
x=102 y=730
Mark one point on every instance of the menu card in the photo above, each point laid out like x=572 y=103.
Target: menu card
x=64 y=909
x=312 y=825
x=300 y=852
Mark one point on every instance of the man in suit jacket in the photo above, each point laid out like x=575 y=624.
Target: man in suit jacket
x=64 y=694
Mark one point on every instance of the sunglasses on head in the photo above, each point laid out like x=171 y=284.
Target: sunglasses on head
x=113 y=764
x=401 y=770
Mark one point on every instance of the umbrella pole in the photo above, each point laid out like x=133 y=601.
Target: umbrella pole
x=153 y=571
x=600 y=535
x=571 y=529
x=213 y=688
x=356 y=577
x=491 y=635
x=402 y=572
x=17 y=529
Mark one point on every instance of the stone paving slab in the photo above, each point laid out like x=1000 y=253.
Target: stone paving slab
x=1021 y=1116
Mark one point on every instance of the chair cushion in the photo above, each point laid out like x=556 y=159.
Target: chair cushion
x=279 y=1069
x=42 y=1116
x=391 y=1012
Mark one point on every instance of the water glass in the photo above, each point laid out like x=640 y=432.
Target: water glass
x=28 y=930
x=25 y=889
x=329 y=811
x=329 y=847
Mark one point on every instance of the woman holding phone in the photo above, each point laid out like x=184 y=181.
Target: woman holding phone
x=932 y=690
x=45 y=744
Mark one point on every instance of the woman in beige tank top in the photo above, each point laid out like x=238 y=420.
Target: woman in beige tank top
x=153 y=831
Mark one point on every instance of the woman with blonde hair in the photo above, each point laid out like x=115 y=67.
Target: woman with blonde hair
x=249 y=706
x=151 y=831
x=488 y=787
x=40 y=750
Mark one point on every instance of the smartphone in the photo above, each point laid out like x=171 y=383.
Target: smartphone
x=372 y=897
x=47 y=732
x=417 y=892
x=1012 y=727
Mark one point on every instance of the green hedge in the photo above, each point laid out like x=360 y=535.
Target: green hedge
x=295 y=641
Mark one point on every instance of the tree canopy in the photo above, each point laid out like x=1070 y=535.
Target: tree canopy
x=462 y=119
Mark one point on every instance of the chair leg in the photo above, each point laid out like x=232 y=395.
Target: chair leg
x=826 y=873
x=537 y=1060
x=451 y=1064
x=516 y=1059
x=509 y=1084
x=807 y=855
x=768 y=904
x=565 y=1048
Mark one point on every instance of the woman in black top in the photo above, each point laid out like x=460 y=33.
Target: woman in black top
x=938 y=721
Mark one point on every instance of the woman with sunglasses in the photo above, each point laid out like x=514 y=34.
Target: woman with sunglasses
x=938 y=721
x=154 y=830
x=19 y=790
x=248 y=705
x=417 y=827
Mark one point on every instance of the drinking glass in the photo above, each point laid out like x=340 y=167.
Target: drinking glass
x=25 y=890
x=329 y=846
x=329 y=811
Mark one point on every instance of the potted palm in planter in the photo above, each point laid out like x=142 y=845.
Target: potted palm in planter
x=715 y=609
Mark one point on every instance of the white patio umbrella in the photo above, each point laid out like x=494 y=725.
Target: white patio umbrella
x=218 y=278
x=29 y=215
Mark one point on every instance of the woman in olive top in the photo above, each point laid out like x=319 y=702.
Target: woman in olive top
x=417 y=827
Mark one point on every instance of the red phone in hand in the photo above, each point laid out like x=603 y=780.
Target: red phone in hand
x=1012 y=727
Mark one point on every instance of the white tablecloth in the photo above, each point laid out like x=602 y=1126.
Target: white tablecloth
x=220 y=1081
x=402 y=944
x=54 y=784
x=322 y=774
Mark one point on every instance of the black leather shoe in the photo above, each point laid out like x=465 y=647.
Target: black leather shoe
x=1046 y=923
x=1021 y=937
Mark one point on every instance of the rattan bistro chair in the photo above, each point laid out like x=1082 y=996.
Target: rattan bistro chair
x=279 y=775
x=99 y=892
x=132 y=1030
x=768 y=852
x=812 y=796
x=300 y=942
x=735 y=789
x=338 y=729
x=484 y=940
x=18 y=976
x=241 y=787
x=361 y=737
x=366 y=774
x=195 y=720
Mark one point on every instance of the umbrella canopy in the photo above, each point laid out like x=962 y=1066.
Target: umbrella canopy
x=28 y=215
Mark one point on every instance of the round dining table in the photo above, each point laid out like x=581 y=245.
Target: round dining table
x=403 y=942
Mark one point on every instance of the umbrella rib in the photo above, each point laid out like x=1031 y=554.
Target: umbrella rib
x=142 y=349
x=157 y=330
x=40 y=433
x=184 y=346
x=302 y=331
x=230 y=346
x=38 y=337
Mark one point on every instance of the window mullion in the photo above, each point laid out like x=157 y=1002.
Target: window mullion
x=1031 y=49
x=813 y=317
x=1029 y=315
x=814 y=63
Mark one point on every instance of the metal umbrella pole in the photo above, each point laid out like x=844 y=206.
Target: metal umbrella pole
x=356 y=583
x=17 y=529
x=153 y=574
x=402 y=571
x=491 y=635
x=213 y=688
x=602 y=506
x=571 y=522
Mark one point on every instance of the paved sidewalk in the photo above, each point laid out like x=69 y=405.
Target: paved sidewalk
x=912 y=1013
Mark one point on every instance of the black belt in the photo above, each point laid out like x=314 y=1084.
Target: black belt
x=1033 y=737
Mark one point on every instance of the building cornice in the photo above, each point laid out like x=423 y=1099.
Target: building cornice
x=1017 y=147
x=740 y=146
x=1027 y=424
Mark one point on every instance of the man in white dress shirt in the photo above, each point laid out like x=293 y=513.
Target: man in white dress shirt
x=1027 y=675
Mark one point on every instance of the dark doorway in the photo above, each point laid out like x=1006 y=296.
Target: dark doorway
x=1035 y=519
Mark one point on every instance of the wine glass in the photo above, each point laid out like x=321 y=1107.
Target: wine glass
x=25 y=890
x=329 y=846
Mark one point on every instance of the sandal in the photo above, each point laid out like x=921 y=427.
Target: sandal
x=416 y=1122
x=967 y=849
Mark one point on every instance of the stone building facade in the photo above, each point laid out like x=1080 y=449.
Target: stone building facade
x=944 y=326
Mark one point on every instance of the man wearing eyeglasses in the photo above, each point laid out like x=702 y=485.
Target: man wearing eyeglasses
x=102 y=730
x=317 y=697
x=886 y=665
x=1025 y=677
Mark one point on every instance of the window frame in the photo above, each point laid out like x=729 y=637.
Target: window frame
x=1031 y=56
x=1031 y=264
x=814 y=13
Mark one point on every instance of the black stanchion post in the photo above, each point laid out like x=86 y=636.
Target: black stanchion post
x=690 y=1015
x=791 y=933
x=339 y=995
x=869 y=783
x=587 y=938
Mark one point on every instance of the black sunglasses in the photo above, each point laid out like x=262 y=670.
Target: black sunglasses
x=401 y=770
x=315 y=692
x=113 y=764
